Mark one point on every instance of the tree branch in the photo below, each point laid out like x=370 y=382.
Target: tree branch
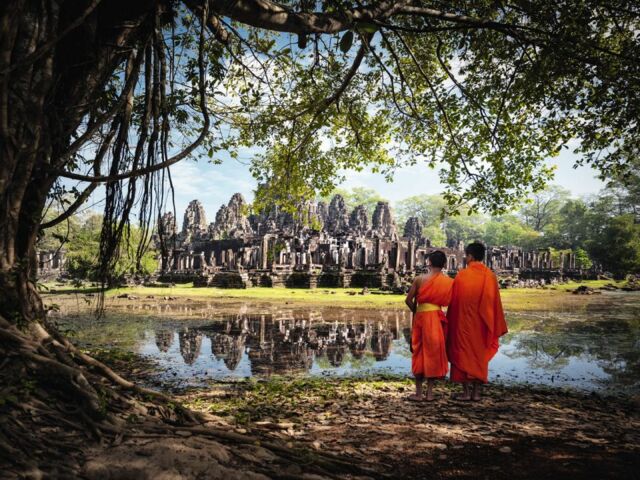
x=176 y=158
x=72 y=209
x=276 y=17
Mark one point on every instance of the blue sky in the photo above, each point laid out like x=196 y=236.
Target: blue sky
x=213 y=185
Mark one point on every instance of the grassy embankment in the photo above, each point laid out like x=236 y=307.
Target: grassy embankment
x=520 y=299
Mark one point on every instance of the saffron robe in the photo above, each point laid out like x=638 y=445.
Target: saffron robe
x=475 y=323
x=429 y=358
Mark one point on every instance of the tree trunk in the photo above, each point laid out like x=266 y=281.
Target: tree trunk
x=55 y=60
x=50 y=77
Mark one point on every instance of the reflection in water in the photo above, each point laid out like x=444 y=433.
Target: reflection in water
x=281 y=343
x=164 y=339
x=592 y=344
x=190 y=343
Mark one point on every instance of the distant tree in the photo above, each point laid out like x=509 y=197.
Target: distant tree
x=510 y=230
x=357 y=196
x=582 y=259
x=441 y=228
x=428 y=209
x=464 y=228
x=617 y=246
x=435 y=234
x=53 y=238
x=542 y=208
x=624 y=194
x=83 y=249
x=574 y=225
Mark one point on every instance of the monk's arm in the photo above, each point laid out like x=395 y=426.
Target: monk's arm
x=411 y=296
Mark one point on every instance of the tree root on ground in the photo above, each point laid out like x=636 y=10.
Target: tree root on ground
x=56 y=402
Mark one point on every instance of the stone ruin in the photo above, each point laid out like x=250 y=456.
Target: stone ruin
x=325 y=246
x=413 y=228
x=51 y=263
x=194 y=223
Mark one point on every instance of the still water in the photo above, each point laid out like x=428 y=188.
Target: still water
x=591 y=345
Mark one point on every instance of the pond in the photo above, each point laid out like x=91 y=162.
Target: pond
x=590 y=345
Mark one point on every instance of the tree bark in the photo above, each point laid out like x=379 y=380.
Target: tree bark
x=52 y=68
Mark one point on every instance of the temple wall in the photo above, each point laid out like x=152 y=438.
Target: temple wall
x=277 y=249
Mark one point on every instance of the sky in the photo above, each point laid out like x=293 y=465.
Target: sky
x=214 y=185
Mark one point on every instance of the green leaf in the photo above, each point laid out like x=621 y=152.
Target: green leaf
x=346 y=41
x=367 y=27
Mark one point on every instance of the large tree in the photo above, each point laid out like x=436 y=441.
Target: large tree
x=543 y=208
x=113 y=92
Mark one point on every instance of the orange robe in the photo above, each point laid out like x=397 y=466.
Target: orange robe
x=475 y=323
x=429 y=358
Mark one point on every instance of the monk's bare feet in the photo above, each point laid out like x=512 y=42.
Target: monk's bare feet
x=462 y=397
x=415 y=398
x=477 y=393
x=430 y=397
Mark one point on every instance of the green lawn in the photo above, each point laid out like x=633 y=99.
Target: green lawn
x=513 y=299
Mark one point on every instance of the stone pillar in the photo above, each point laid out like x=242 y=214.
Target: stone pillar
x=411 y=261
x=264 y=252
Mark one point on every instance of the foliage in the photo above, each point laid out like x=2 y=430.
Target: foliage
x=617 y=245
x=82 y=245
x=510 y=230
x=543 y=207
x=429 y=209
x=483 y=92
x=582 y=259
x=442 y=228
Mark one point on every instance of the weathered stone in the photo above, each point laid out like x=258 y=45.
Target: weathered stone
x=337 y=218
x=231 y=220
x=413 y=228
x=359 y=220
x=281 y=248
x=195 y=219
x=322 y=212
x=167 y=225
x=382 y=223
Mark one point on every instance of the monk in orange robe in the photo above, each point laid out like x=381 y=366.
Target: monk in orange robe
x=428 y=294
x=475 y=323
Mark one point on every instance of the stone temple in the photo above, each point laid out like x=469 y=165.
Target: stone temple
x=319 y=245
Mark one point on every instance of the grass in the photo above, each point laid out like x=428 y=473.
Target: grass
x=513 y=298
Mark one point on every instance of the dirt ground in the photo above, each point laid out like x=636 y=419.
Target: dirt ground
x=515 y=432
x=358 y=428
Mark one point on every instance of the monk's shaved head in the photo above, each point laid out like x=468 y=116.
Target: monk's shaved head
x=476 y=250
x=437 y=259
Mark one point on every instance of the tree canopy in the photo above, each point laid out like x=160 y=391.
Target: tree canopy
x=481 y=92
